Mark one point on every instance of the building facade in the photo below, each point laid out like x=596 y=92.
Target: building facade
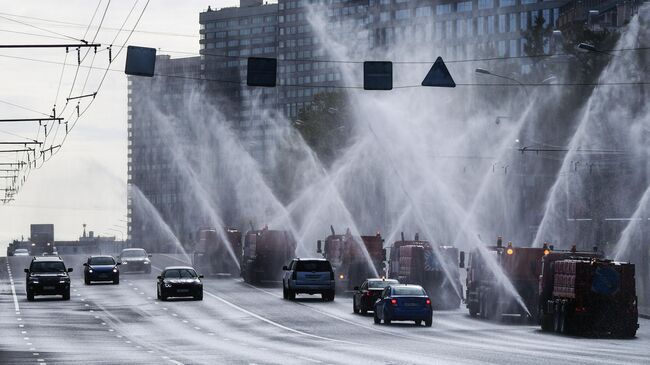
x=155 y=195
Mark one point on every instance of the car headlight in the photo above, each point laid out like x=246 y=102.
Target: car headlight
x=168 y=285
x=115 y=269
x=63 y=281
x=90 y=271
x=146 y=262
x=33 y=281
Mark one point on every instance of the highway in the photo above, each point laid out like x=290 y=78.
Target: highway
x=241 y=324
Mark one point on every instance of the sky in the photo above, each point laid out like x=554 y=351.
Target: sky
x=86 y=181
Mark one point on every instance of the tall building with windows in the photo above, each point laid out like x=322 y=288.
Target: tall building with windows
x=456 y=29
x=154 y=183
x=228 y=37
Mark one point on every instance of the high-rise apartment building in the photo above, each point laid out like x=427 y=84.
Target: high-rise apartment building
x=228 y=37
x=152 y=174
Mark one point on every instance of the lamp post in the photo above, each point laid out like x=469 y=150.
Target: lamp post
x=487 y=72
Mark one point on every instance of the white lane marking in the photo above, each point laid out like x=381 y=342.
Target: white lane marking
x=13 y=288
x=273 y=323
x=35 y=354
x=309 y=359
x=175 y=362
x=276 y=324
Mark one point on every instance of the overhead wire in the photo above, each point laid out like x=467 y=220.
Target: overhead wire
x=42 y=29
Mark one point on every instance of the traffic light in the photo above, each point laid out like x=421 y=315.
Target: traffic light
x=140 y=61
x=377 y=75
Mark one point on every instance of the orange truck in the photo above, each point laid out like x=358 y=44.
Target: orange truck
x=349 y=261
x=585 y=294
x=487 y=296
x=434 y=267
x=214 y=255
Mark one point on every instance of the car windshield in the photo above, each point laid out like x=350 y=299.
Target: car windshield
x=52 y=266
x=319 y=266
x=20 y=250
x=134 y=253
x=180 y=274
x=380 y=284
x=101 y=261
x=408 y=290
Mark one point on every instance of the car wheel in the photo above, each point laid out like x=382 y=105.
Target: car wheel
x=364 y=311
x=66 y=295
x=86 y=280
x=355 y=309
x=30 y=296
x=158 y=292
x=428 y=322
x=285 y=294
x=116 y=280
x=377 y=320
x=387 y=321
x=292 y=294
x=199 y=296
x=418 y=322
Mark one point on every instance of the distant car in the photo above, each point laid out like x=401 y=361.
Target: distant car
x=21 y=252
x=179 y=281
x=135 y=259
x=308 y=276
x=404 y=303
x=101 y=268
x=364 y=297
x=47 y=276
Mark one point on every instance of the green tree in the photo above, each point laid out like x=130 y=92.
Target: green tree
x=325 y=125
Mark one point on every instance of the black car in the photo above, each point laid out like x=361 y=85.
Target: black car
x=135 y=260
x=179 y=281
x=101 y=268
x=364 y=297
x=47 y=276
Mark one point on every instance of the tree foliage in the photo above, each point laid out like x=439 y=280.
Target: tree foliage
x=325 y=125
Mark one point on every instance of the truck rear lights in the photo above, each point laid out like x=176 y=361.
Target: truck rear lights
x=368 y=293
x=581 y=309
x=393 y=302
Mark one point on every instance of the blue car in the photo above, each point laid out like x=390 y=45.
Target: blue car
x=403 y=302
x=101 y=268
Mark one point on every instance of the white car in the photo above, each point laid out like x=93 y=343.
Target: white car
x=21 y=252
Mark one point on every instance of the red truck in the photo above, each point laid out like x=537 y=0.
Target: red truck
x=351 y=265
x=583 y=295
x=487 y=296
x=265 y=251
x=214 y=255
x=434 y=267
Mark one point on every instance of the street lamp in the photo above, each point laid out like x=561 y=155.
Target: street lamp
x=486 y=72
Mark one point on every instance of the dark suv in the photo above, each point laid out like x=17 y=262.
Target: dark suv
x=47 y=276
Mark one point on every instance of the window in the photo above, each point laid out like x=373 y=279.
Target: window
x=513 y=48
x=460 y=27
x=443 y=9
x=233 y=33
x=403 y=14
x=524 y=2
x=464 y=6
x=257 y=20
x=243 y=21
x=523 y=20
x=450 y=29
x=233 y=43
x=513 y=22
x=503 y=3
x=485 y=4
x=547 y=16
x=470 y=26
x=384 y=16
x=480 y=28
x=422 y=11
x=490 y=24
x=502 y=48
x=232 y=23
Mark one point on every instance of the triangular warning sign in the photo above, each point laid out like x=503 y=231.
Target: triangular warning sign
x=439 y=76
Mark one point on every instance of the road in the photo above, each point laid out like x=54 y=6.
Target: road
x=241 y=324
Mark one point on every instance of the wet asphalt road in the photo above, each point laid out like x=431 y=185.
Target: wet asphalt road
x=241 y=324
